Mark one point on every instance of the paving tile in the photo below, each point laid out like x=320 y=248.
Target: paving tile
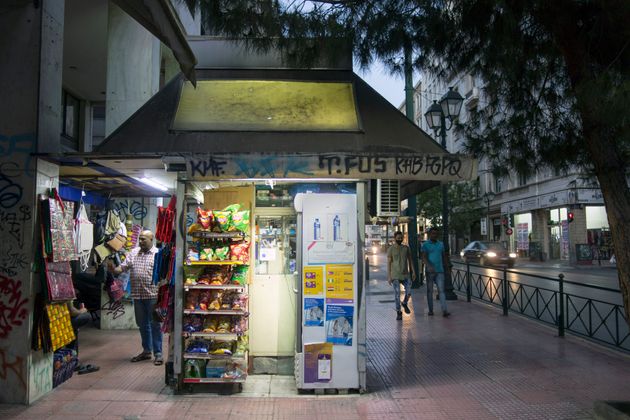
x=80 y=407
x=475 y=365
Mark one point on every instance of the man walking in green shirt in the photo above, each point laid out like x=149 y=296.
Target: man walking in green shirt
x=399 y=264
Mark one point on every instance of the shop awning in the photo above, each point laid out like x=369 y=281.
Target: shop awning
x=159 y=18
x=252 y=123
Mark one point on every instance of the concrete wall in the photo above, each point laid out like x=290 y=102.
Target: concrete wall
x=30 y=110
x=133 y=67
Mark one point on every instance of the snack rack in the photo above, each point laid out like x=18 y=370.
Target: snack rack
x=214 y=321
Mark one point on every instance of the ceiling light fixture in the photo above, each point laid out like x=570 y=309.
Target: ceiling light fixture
x=153 y=183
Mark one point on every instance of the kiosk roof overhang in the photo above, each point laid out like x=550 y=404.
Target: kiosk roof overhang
x=379 y=136
x=382 y=128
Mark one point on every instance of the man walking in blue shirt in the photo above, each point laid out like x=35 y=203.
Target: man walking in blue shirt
x=436 y=261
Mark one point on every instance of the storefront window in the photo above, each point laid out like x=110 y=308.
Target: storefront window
x=276 y=244
x=596 y=217
x=598 y=232
x=273 y=197
x=522 y=229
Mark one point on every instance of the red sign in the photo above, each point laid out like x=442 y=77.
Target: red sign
x=509 y=231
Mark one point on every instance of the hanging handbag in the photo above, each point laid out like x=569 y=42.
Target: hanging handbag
x=59 y=325
x=60 y=222
x=117 y=242
x=83 y=236
x=59 y=281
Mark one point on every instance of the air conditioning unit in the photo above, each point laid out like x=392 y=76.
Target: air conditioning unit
x=387 y=197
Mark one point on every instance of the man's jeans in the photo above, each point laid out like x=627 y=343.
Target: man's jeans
x=407 y=284
x=438 y=278
x=150 y=331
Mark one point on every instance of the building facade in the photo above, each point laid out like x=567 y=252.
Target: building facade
x=544 y=215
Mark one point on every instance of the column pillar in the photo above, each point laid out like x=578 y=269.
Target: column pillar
x=30 y=83
x=577 y=232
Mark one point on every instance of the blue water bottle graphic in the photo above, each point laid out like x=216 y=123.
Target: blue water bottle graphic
x=336 y=228
x=317 y=230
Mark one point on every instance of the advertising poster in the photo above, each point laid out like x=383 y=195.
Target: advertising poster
x=322 y=252
x=313 y=312
x=318 y=362
x=339 y=283
x=339 y=321
x=313 y=280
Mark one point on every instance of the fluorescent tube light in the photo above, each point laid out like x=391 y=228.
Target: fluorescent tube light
x=153 y=183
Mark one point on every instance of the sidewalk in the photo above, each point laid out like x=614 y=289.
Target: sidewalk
x=475 y=365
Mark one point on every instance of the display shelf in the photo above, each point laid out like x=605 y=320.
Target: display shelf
x=218 y=235
x=214 y=357
x=219 y=336
x=213 y=287
x=200 y=263
x=217 y=312
x=213 y=380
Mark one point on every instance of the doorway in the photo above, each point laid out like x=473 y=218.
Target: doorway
x=273 y=291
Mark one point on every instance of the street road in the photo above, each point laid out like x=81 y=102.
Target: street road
x=533 y=287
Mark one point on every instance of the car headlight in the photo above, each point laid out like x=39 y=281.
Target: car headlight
x=374 y=249
x=512 y=255
x=491 y=254
x=461 y=253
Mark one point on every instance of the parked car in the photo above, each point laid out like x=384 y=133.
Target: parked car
x=488 y=253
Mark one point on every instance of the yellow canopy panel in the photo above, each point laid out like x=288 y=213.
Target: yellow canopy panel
x=266 y=105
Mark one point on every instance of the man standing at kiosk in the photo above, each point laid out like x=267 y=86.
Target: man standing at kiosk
x=144 y=294
x=398 y=266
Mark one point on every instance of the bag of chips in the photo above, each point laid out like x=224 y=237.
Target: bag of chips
x=239 y=275
x=206 y=254
x=240 y=252
x=240 y=220
x=204 y=218
x=222 y=253
x=224 y=220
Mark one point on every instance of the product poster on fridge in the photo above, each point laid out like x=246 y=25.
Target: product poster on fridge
x=339 y=322
x=313 y=312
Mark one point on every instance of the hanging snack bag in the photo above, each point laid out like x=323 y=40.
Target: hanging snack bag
x=210 y=324
x=239 y=276
x=193 y=253
x=206 y=254
x=204 y=218
x=191 y=300
x=240 y=252
x=222 y=253
x=224 y=220
x=240 y=220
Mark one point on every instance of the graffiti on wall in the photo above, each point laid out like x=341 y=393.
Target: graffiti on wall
x=13 y=310
x=16 y=366
x=134 y=209
x=13 y=222
x=114 y=309
x=409 y=166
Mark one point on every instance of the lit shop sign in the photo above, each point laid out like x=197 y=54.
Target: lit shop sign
x=425 y=167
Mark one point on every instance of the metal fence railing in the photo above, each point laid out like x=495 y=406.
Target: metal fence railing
x=589 y=311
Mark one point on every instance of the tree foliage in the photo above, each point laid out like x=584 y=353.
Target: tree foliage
x=557 y=73
x=463 y=209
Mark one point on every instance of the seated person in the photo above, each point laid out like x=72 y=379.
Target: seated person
x=79 y=318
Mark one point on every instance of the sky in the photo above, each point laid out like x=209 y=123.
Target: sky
x=390 y=87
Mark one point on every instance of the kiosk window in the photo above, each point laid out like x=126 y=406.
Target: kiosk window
x=275 y=245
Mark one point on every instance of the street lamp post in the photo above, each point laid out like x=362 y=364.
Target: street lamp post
x=488 y=197
x=437 y=116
